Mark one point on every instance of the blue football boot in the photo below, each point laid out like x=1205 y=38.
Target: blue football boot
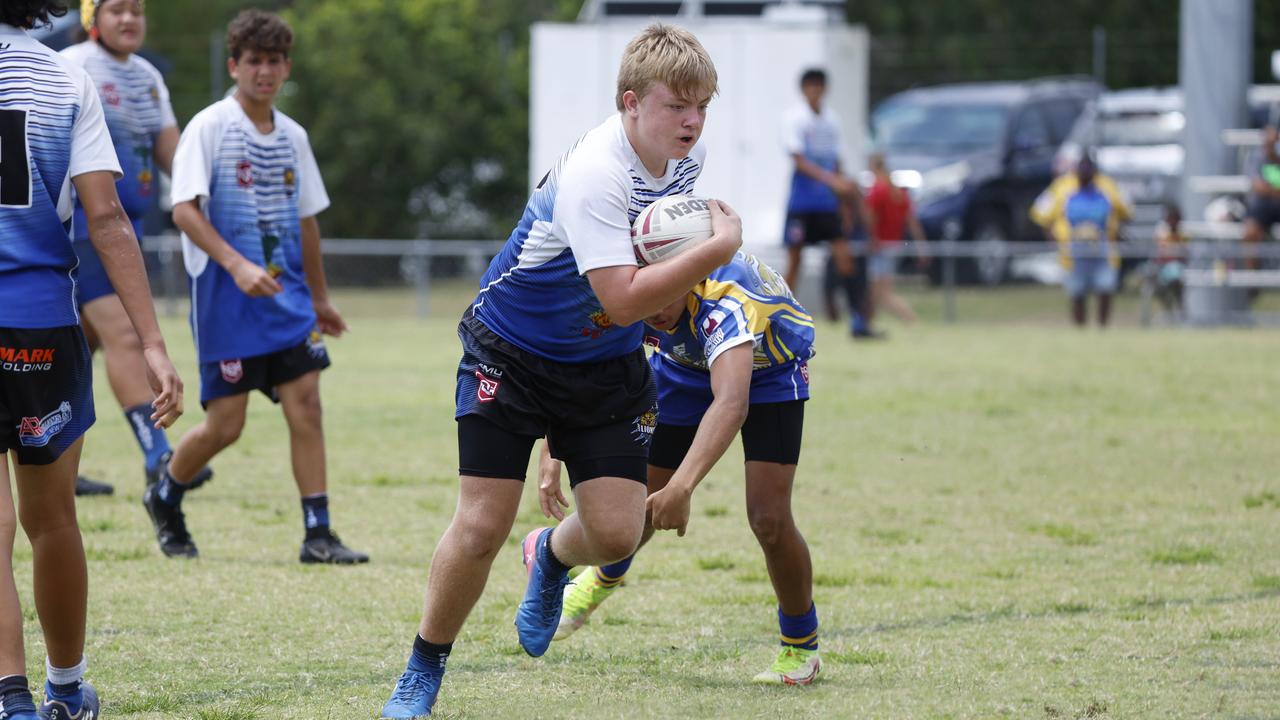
x=414 y=696
x=539 y=613
x=59 y=710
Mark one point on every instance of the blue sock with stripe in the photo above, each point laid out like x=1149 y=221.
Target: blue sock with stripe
x=799 y=631
x=152 y=440
x=611 y=575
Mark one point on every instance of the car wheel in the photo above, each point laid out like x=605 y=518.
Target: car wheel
x=991 y=245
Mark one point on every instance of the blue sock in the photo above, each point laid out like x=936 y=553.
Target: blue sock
x=427 y=656
x=611 y=575
x=800 y=630
x=69 y=694
x=153 y=441
x=315 y=514
x=548 y=558
x=169 y=490
x=15 y=695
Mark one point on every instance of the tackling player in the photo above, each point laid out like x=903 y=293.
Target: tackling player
x=53 y=137
x=246 y=191
x=144 y=131
x=730 y=355
x=552 y=346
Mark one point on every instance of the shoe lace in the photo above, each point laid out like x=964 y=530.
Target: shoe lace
x=413 y=685
x=550 y=590
x=177 y=526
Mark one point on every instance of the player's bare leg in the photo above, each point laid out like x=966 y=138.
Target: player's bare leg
x=47 y=510
x=607 y=525
x=792 y=275
x=222 y=424
x=790 y=570
x=785 y=552
x=886 y=296
x=486 y=512
x=300 y=400
x=12 y=651
x=121 y=350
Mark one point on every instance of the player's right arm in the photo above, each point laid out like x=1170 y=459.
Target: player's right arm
x=251 y=278
x=630 y=294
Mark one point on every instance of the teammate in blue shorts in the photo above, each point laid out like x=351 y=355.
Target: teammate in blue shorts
x=53 y=137
x=144 y=131
x=730 y=356
x=552 y=347
x=246 y=192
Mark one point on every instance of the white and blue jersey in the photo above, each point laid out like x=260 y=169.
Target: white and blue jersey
x=535 y=293
x=816 y=137
x=742 y=302
x=136 y=104
x=254 y=188
x=51 y=130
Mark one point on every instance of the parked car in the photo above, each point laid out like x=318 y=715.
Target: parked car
x=976 y=155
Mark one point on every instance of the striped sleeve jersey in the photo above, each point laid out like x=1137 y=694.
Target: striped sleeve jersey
x=135 y=101
x=254 y=188
x=51 y=130
x=535 y=293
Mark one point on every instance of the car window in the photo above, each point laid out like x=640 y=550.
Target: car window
x=1061 y=115
x=1030 y=131
x=950 y=128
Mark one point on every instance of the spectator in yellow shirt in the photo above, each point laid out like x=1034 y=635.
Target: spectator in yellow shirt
x=1082 y=212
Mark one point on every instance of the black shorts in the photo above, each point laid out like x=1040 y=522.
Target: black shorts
x=808 y=228
x=597 y=417
x=224 y=378
x=1264 y=211
x=771 y=433
x=46 y=391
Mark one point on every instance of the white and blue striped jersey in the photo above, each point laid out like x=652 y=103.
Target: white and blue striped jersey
x=815 y=136
x=254 y=188
x=51 y=130
x=136 y=104
x=535 y=294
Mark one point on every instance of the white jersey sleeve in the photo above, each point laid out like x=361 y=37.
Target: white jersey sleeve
x=91 y=146
x=793 y=122
x=591 y=213
x=313 y=199
x=193 y=160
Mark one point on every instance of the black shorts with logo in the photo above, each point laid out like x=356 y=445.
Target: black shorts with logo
x=597 y=417
x=807 y=228
x=46 y=391
x=224 y=378
x=771 y=433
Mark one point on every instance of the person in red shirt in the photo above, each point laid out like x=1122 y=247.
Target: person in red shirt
x=891 y=215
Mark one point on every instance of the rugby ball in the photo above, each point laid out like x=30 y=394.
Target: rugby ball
x=669 y=226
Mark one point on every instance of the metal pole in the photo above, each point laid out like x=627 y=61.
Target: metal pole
x=1100 y=54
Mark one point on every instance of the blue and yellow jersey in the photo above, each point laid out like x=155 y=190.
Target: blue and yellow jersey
x=1085 y=222
x=742 y=301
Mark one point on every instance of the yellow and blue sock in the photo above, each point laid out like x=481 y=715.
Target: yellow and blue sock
x=611 y=575
x=800 y=631
x=152 y=440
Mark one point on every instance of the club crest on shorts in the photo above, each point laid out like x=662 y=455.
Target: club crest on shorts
x=487 y=390
x=643 y=426
x=38 y=431
x=232 y=370
x=315 y=345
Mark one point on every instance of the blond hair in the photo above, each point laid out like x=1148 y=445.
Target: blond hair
x=669 y=55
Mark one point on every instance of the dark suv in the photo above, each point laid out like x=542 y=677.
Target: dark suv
x=976 y=155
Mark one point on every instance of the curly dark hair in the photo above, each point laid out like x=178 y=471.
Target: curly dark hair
x=30 y=13
x=259 y=30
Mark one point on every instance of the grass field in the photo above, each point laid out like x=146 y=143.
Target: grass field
x=1008 y=519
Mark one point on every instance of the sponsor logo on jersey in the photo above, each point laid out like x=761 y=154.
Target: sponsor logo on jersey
x=712 y=322
x=600 y=322
x=24 y=360
x=232 y=370
x=643 y=426
x=110 y=95
x=652 y=341
x=38 y=431
x=290 y=182
x=487 y=390
x=155 y=93
x=244 y=173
